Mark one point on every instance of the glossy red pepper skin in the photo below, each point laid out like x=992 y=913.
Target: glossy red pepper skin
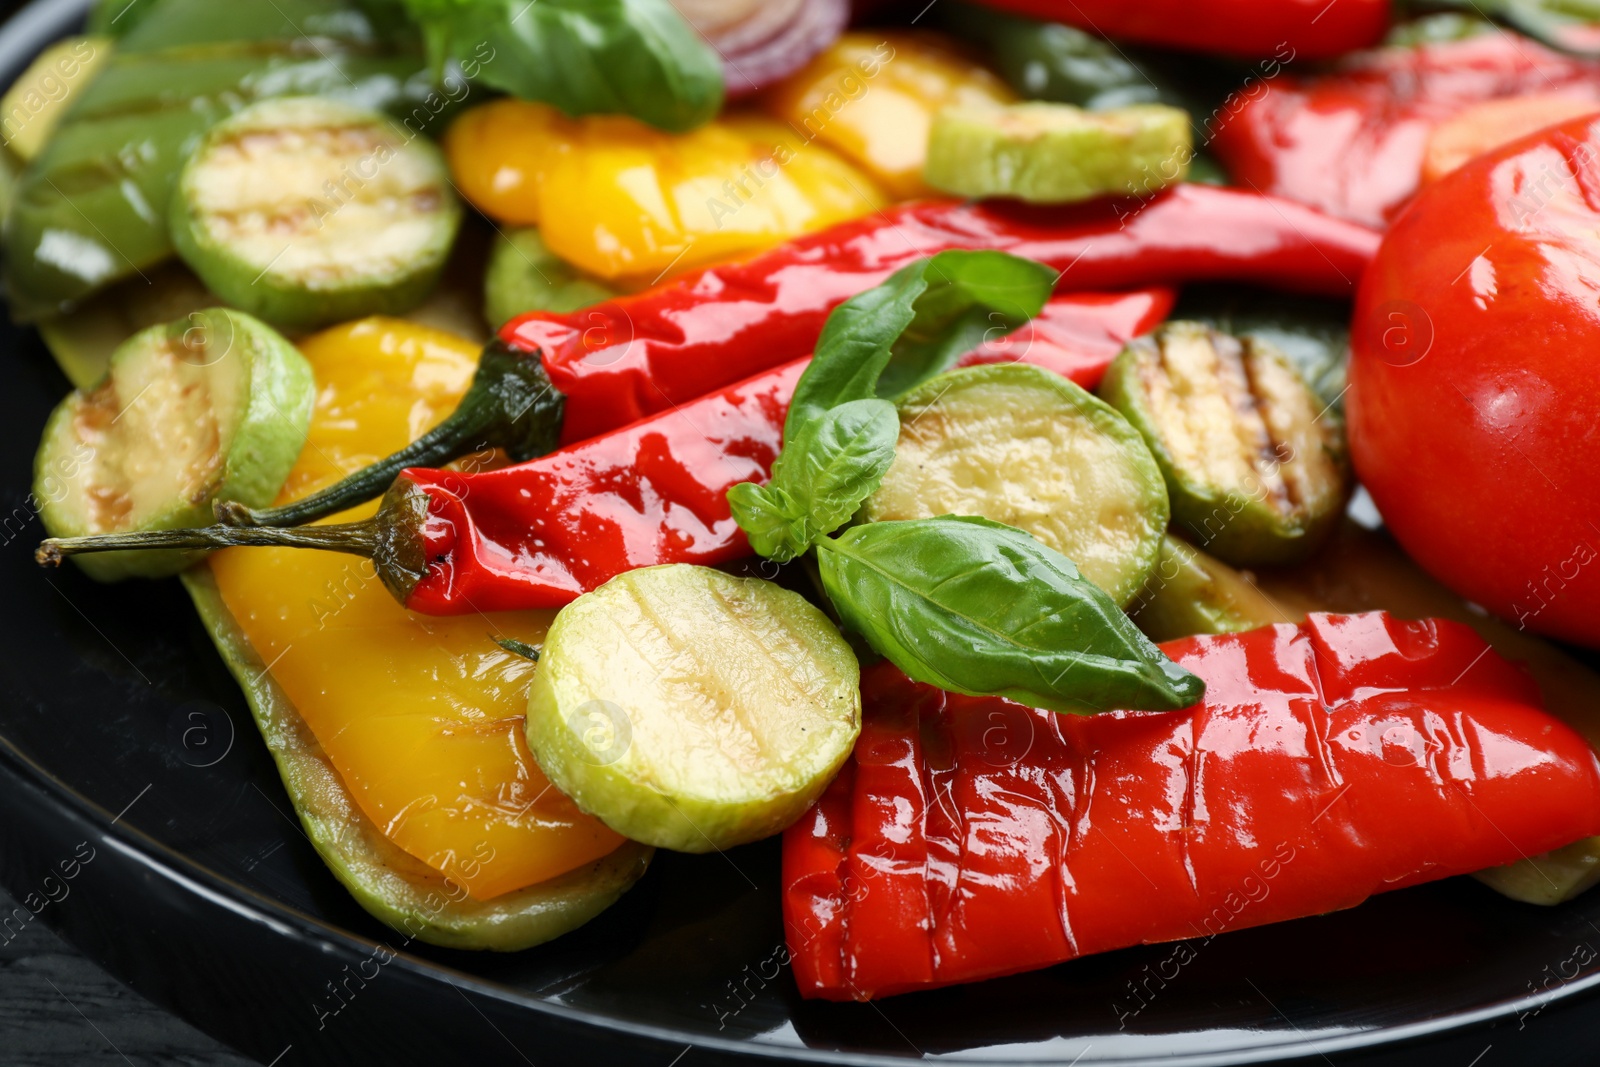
x=1474 y=338
x=1078 y=336
x=541 y=533
x=1351 y=142
x=1249 y=29
x=971 y=837
x=625 y=359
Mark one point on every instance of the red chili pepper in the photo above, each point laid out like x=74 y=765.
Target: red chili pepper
x=626 y=359
x=539 y=534
x=543 y=532
x=629 y=358
x=1251 y=29
x=972 y=837
x=1351 y=142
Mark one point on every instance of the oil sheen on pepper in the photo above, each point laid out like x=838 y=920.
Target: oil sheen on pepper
x=422 y=716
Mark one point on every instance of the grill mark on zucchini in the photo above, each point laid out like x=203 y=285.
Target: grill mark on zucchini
x=306 y=211
x=1255 y=471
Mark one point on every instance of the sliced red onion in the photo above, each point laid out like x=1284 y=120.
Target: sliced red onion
x=764 y=41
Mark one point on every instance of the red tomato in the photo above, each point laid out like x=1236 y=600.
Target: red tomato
x=1474 y=405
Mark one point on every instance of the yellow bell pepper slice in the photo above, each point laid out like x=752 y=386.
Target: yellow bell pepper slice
x=422 y=716
x=623 y=201
x=498 y=153
x=872 y=97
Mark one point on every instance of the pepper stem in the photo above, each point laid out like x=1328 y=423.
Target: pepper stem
x=357 y=538
x=392 y=539
x=510 y=404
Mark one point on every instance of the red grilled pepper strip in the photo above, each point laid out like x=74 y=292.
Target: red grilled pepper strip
x=543 y=532
x=1250 y=29
x=629 y=358
x=971 y=837
x=1351 y=142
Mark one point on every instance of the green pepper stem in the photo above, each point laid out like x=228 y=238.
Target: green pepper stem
x=357 y=538
x=510 y=404
x=392 y=539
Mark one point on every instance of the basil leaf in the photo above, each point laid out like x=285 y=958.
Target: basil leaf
x=927 y=315
x=631 y=57
x=819 y=480
x=771 y=520
x=981 y=608
x=839 y=460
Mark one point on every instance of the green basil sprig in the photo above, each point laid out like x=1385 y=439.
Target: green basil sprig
x=978 y=607
x=631 y=57
x=840 y=433
x=963 y=603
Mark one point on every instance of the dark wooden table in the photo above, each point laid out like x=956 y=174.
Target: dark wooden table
x=58 y=1009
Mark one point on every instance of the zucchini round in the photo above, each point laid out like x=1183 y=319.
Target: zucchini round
x=308 y=211
x=1020 y=445
x=1254 y=462
x=524 y=275
x=214 y=406
x=1056 y=153
x=692 y=710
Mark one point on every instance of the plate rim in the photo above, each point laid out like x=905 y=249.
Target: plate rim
x=24 y=32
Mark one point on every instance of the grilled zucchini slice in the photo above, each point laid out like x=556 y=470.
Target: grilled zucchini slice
x=1056 y=153
x=1254 y=461
x=307 y=211
x=1020 y=445
x=213 y=406
x=692 y=710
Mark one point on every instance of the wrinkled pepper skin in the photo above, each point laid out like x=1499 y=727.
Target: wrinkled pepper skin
x=626 y=359
x=1351 y=142
x=970 y=838
x=1248 y=29
x=540 y=534
x=1474 y=336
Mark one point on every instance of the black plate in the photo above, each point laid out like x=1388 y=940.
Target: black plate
x=122 y=733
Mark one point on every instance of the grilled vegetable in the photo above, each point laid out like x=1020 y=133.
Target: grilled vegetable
x=1549 y=878
x=1056 y=153
x=1057 y=62
x=1313 y=331
x=692 y=710
x=393 y=885
x=34 y=104
x=570 y=377
x=211 y=407
x=524 y=276
x=1027 y=448
x=91 y=209
x=761 y=42
x=1346 y=756
x=399 y=738
x=872 y=97
x=306 y=211
x=1254 y=462
x=83 y=341
x=1191 y=593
